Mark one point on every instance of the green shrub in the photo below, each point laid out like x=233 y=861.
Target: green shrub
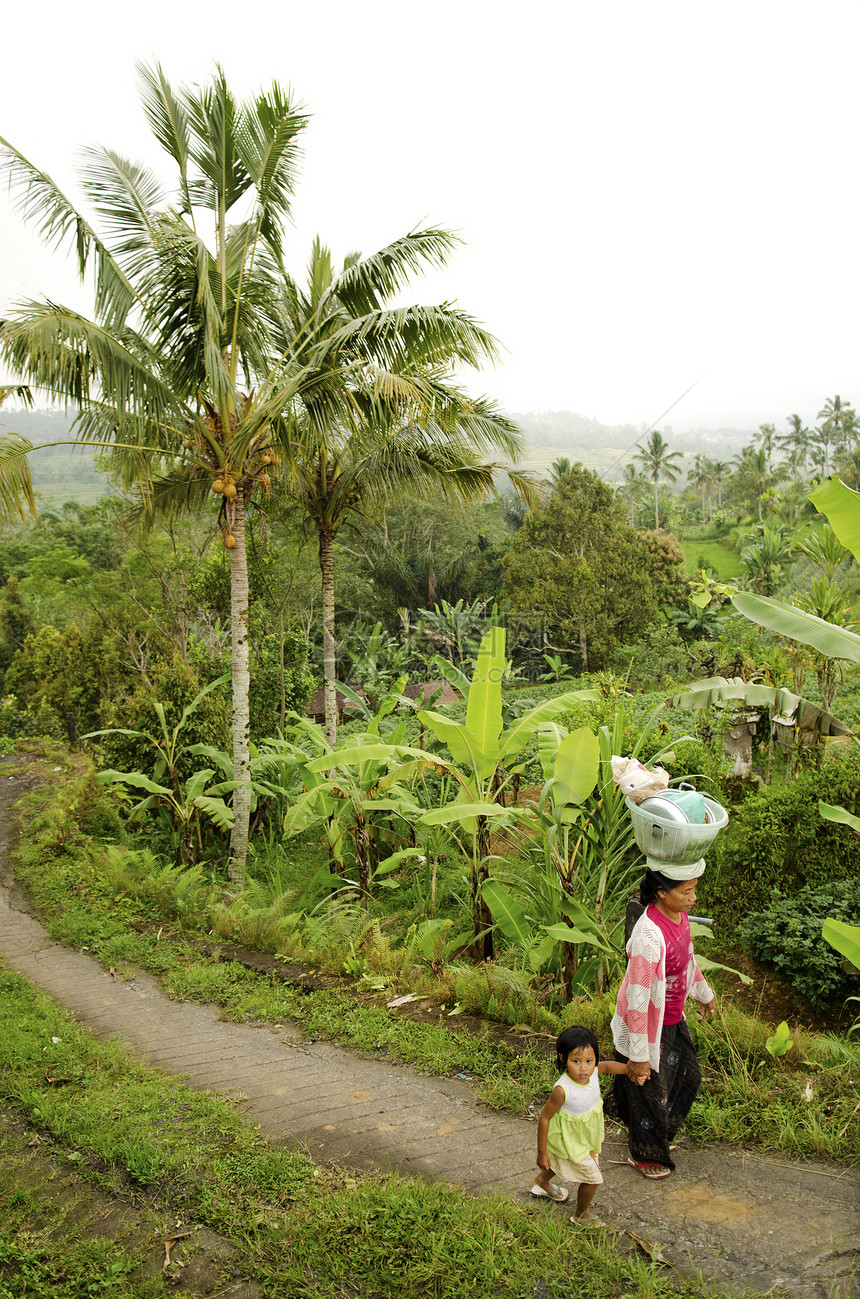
x=36 y=718
x=777 y=840
x=95 y=810
x=788 y=934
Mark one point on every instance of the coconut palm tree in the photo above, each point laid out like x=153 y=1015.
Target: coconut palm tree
x=755 y=476
x=175 y=371
x=847 y=465
x=560 y=471
x=720 y=470
x=766 y=437
x=700 y=477
x=379 y=413
x=658 y=462
x=838 y=429
x=796 y=444
x=631 y=489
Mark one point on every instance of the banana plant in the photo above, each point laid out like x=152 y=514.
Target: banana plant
x=184 y=800
x=184 y=805
x=845 y=938
x=842 y=506
x=361 y=791
x=485 y=756
x=585 y=858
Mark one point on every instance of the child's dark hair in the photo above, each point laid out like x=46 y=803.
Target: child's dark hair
x=574 y=1039
x=653 y=884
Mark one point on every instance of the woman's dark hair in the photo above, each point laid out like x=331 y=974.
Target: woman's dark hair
x=574 y=1039
x=653 y=884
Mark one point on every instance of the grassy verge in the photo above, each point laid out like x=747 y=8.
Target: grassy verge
x=297 y=1229
x=88 y=902
x=713 y=555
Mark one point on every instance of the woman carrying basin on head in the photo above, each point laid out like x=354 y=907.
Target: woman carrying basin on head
x=648 y=1028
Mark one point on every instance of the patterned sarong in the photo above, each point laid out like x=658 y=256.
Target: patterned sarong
x=654 y=1112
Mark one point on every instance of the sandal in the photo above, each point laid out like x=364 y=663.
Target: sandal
x=555 y=1192
x=587 y=1220
x=654 y=1172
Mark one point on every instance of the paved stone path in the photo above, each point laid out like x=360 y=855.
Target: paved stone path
x=738 y=1217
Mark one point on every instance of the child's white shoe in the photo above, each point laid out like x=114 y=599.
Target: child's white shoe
x=555 y=1192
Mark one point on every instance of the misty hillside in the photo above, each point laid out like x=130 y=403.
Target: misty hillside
x=606 y=448
x=59 y=473
x=62 y=473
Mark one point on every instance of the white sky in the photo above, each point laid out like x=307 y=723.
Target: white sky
x=652 y=192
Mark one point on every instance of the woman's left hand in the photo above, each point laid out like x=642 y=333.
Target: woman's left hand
x=707 y=1009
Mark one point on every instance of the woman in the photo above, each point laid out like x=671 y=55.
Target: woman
x=648 y=1027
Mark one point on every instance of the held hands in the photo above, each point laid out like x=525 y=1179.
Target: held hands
x=638 y=1071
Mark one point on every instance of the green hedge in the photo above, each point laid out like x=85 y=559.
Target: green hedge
x=787 y=933
x=777 y=840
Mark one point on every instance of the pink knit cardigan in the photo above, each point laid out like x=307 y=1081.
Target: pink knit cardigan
x=638 y=1019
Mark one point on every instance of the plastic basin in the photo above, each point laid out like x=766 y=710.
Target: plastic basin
x=674 y=841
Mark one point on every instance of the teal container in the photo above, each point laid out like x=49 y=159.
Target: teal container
x=686 y=805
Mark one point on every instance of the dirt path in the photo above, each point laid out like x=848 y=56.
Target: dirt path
x=736 y=1216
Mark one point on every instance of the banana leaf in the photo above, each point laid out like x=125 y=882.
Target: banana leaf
x=576 y=769
x=456 y=736
x=845 y=938
x=549 y=737
x=134 y=778
x=452 y=674
x=565 y=934
x=454 y=812
x=351 y=755
x=839 y=814
x=704 y=965
x=507 y=913
x=842 y=507
x=517 y=736
x=217 y=811
x=796 y=624
x=484 y=705
x=396 y=859
x=195 y=785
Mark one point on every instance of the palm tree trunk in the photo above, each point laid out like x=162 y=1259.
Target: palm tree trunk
x=281 y=677
x=327 y=569
x=656 y=509
x=241 y=683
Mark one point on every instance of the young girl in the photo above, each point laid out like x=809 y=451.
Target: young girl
x=570 y=1128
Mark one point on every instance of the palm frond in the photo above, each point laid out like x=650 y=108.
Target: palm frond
x=63 y=353
x=212 y=115
x=125 y=194
x=56 y=221
x=266 y=138
x=16 y=487
x=170 y=496
x=19 y=390
x=168 y=119
x=405 y=337
x=364 y=285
